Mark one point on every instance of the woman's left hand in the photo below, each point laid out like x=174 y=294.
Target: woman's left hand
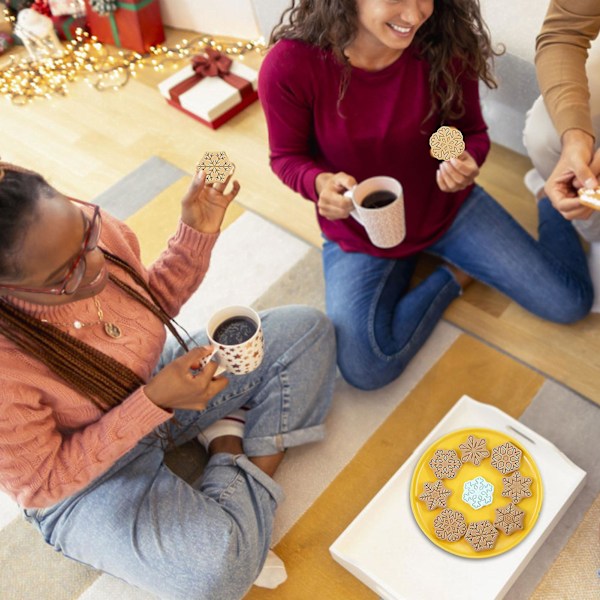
x=457 y=173
x=204 y=204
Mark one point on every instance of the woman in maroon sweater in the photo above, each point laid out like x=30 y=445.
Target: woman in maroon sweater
x=353 y=89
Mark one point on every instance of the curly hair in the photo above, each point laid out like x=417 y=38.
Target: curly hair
x=454 y=41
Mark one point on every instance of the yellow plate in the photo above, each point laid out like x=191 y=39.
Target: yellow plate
x=423 y=473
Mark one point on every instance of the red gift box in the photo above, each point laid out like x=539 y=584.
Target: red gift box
x=136 y=25
x=66 y=25
x=212 y=89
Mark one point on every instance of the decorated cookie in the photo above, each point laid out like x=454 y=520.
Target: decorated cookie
x=450 y=525
x=481 y=535
x=509 y=518
x=446 y=143
x=445 y=464
x=590 y=197
x=478 y=493
x=474 y=450
x=516 y=487
x=506 y=458
x=217 y=167
x=435 y=495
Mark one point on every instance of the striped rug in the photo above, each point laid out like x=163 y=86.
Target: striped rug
x=370 y=434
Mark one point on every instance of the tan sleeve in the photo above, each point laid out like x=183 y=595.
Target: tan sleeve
x=561 y=53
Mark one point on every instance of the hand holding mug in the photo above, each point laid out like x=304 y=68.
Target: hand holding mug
x=332 y=204
x=379 y=207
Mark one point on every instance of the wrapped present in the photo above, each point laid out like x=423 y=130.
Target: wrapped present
x=135 y=25
x=66 y=26
x=212 y=89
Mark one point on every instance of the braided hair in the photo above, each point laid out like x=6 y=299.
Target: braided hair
x=99 y=377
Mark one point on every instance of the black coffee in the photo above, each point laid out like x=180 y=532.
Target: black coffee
x=378 y=199
x=235 y=330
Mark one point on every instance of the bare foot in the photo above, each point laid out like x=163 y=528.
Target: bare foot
x=461 y=277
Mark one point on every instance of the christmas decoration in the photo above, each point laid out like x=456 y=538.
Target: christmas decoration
x=103 y=7
x=85 y=59
x=212 y=88
x=36 y=31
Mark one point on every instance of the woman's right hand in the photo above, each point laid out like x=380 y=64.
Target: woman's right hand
x=181 y=385
x=332 y=204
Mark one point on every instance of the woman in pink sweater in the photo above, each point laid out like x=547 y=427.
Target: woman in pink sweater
x=354 y=89
x=91 y=389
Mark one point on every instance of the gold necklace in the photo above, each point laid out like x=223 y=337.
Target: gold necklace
x=111 y=329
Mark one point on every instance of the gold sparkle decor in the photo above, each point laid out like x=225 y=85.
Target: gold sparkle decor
x=104 y=68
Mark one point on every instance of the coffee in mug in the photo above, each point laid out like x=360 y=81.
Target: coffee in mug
x=235 y=330
x=378 y=199
x=237 y=336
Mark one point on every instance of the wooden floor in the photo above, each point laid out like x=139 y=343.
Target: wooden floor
x=85 y=142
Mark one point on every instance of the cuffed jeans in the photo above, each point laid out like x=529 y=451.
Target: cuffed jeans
x=380 y=324
x=206 y=541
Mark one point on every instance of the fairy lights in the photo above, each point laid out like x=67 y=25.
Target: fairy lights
x=85 y=59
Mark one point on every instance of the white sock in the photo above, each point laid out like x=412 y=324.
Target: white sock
x=533 y=182
x=273 y=572
x=232 y=424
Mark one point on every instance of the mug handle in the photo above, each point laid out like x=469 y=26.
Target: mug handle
x=206 y=360
x=353 y=212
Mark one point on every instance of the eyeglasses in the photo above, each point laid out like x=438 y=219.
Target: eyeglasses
x=72 y=280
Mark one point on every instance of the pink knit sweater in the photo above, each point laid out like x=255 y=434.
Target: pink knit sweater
x=53 y=441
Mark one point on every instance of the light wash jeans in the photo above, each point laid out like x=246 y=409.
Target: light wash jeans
x=209 y=540
x=380 y=324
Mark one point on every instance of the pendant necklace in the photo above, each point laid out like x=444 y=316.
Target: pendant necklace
x=111 y=329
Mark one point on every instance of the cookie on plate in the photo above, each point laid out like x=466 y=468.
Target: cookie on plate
x=481 y=535
x=506 y=458
x=450 y=525
x=509 y=519
x=473 y=450
x=445 y=464
x=516 y=487
x=435 y=494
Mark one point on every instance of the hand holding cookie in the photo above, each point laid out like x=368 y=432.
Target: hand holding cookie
x=589 y=197
x=446 y=143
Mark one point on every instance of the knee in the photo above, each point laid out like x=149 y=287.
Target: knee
x=228 y=575
x=573 y=309
x=366 y=369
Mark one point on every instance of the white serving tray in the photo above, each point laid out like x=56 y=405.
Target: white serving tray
x=385 y=548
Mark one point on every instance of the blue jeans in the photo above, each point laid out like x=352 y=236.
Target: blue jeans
x=205 y=541
x=380 y=324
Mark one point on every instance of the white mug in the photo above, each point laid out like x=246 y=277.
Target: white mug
x=237 y=356
x=385 y=226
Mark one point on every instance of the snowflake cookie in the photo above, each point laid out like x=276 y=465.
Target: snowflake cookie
x=445 y=464
x=506 y=458
x=450 y=525
x=509 y=518
x=435 y=495
x=217 y=167
x=516 y=487
x=446 y=143
x=478 y=493
x=481 y=535
x=474 y=450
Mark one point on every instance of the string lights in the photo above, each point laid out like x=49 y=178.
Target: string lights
x=85 y=59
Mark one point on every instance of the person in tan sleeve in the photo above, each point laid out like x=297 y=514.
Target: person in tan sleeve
x=562 y=128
